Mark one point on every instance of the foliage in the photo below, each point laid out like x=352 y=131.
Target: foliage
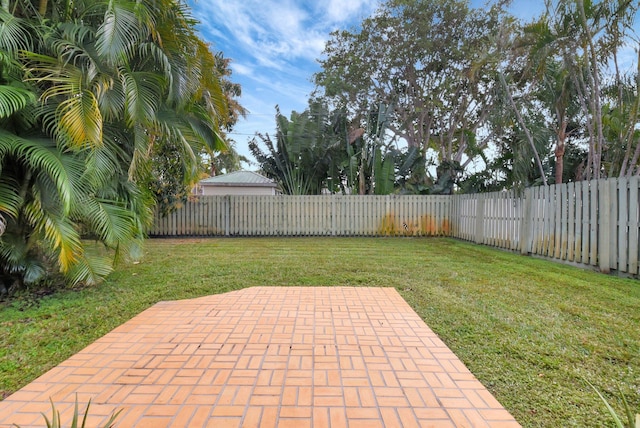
x=56 y=422
x=228 y=160
x=231 y=90
x=319 y=150
x=575 y=43
x=89 y=95
x=632 y=421
x=520 y=102
x=175 y=168
x=620 y=121
x=300 y=158
x=532 y=357
x=426 y=60
x=169 y=181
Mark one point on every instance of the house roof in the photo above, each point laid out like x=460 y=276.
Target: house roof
x=238 y=179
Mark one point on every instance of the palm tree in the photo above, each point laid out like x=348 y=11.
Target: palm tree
x=586 y=35
x=87 y=93
x=545 y=47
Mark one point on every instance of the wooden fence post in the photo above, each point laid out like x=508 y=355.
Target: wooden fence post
x=634 y=187
x=480 y=219
x=525 y=226
x=334 y=221
x=604 y=219
x=227 y=214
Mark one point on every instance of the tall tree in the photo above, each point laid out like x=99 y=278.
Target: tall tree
x=588 y=36
x=426 y=60
x=621 y=123
x=228 y=160
x=541 y=82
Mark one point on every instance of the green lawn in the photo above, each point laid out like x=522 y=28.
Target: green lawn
x=529 y=329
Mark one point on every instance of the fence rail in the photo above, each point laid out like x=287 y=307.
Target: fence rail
x=590 y=223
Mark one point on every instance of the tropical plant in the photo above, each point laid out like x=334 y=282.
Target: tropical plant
x=300 y=158
x=175 y=171
x=56 y=421
x=587 y=35
x=620 y=121
x=226 y=161
x=88 y=93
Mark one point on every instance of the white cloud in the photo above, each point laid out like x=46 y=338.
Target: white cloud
x=340 y=11
x=275 y=32
x=241 y=69
x=273 y=45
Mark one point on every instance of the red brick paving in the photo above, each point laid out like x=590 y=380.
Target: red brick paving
x=267 y=357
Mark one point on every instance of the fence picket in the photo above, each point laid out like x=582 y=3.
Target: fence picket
x=623 y=224
x=634 y=212
x=586 y=224
x=613 y=223
x=604 y=226
x=593 y=223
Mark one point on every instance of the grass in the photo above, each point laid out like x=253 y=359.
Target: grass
x=531 y=330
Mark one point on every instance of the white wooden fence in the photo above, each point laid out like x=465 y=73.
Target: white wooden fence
x=330 y=215
x=590 y=223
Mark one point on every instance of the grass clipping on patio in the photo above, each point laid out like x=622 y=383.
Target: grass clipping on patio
x=532 y=331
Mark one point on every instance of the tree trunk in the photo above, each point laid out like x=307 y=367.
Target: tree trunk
x=361 y=177
x=631 y=129
x=559 y=152
x=634 y=161
x=524 y=127
x=596 y=102
x=580 y=86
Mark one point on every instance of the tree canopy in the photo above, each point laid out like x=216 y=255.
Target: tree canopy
x=486 y=100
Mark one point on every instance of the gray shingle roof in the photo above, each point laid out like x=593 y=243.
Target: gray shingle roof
x=239 y=178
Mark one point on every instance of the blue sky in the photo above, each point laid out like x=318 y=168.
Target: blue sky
x=274 y=45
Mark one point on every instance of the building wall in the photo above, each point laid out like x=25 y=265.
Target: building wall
x=236 y=190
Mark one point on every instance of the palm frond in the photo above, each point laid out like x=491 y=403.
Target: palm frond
x=116 y=38
x=112 y=222
x=111 y=98
x=61 y=79
x=57 y=233
x=14 y=33
x=10 y=198
x=71 y=42
x=16 y=258
x=90 y=270
x=80 y=121
x=42 y=158
x=13 y=99
x=102 y=165
x=143 y=91
x=160 y=58
x=204 y=128
x=141 y=145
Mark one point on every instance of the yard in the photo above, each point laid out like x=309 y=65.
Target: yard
x=531 y=330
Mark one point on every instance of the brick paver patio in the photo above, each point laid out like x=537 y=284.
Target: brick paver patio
x=267 y=356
